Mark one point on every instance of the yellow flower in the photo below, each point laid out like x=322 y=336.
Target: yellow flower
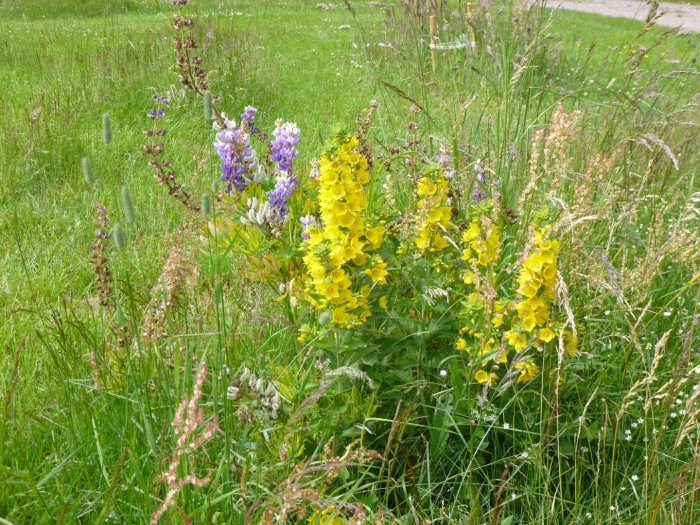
x=425 y=187
x=528 y=370
x=570 y=343
x=472 y=232
x=461 y=344
x=517 y=340
x=468 y=277
x=375 y=236
x=340 y=316
x=377 y=272
x=325 y=517
x=546 y=335
x=483 y=377
x=383 y=302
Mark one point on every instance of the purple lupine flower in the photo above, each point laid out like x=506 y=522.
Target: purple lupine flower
x=282 y=148
x=479 y=194
x=156 y=113
x=313 y=172
x=248 y=116
x=236 y=154
x=277 y=196
x=446 y=161
x=308 y=221
x=160 y=99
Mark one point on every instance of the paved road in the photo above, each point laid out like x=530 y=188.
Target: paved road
x=683 y=16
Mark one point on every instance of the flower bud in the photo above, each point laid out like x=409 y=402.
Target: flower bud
x=106 y=128
x=87 y=170
x=119 y=314
x=206 y=203
x=208 y=110
x=118 y=234
x=128 y=206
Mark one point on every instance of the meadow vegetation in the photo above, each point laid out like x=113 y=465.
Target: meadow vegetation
x=387 y=286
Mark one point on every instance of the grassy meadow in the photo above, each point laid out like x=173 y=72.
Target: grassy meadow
x=87 y=396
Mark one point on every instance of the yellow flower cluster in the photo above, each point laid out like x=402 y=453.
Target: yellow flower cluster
x=535 y=290
x=434 y=214
x=531 y=323
x=339 y=255
x=482 y=248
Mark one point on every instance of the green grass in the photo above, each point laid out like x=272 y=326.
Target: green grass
x=71 y=455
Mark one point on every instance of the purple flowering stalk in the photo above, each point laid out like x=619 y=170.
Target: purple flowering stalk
x=236 y=154
x=479 y=194
x=282 y=150
x=159 y=111
x=284 y=186
x=248 y=117
x=446 y=161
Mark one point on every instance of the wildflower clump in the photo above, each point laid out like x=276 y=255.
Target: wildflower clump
x=340 y=251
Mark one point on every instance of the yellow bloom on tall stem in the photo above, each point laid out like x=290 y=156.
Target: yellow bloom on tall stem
x=433 y=213
x=337 y=252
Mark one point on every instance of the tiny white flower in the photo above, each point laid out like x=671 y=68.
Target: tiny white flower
x=635 y=477
x=506 y=426
x=443 y=373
